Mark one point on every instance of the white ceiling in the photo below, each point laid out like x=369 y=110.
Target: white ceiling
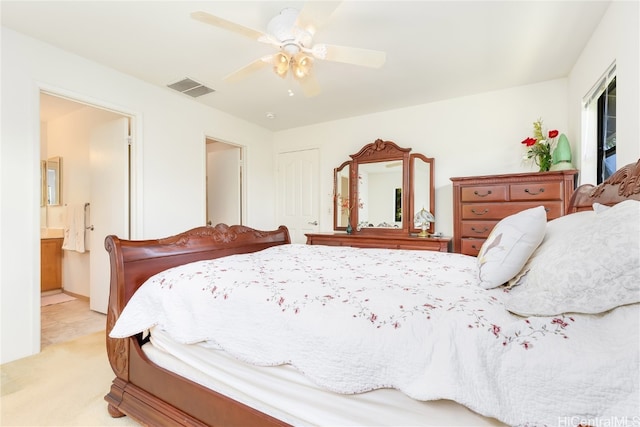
x=435 y=49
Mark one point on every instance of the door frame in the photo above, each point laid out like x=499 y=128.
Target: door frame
x=135 y=179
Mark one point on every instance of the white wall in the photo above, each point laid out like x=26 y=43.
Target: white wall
x=474 y=135
x=481 y=134
x=169 y=154
x=617 y=39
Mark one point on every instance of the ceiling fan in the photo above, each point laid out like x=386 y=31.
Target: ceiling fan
x=291 y=32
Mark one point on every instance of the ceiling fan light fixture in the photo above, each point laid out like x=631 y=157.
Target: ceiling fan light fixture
x=291 y=47
x=281 y=63
x=301 y=65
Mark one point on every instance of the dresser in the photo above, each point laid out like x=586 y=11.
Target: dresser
x=386 y=241
x=480 y=202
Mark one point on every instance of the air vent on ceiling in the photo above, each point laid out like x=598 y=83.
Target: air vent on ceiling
x=191 y=87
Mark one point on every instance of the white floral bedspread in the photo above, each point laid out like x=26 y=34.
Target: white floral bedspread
x=354 y=320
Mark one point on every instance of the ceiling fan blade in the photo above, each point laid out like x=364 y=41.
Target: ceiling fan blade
x=314 y=14
x=251 y=68
x=309 y=85
x=216 y=21
x=349 y=55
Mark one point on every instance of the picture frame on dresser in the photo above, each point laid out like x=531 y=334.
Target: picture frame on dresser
x=480 y=202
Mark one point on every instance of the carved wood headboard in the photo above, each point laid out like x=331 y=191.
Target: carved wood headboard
x=622 y=185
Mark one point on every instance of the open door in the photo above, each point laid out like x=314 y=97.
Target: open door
x=108 y=212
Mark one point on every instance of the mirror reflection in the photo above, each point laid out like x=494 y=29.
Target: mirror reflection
x=341 y=191
x=380 y=194
x=422 y=177
x=53 y=177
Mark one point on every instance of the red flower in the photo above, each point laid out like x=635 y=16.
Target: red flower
x=529 y=141
x=553 y=133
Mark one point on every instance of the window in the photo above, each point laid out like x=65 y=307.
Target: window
x=598 y=153
x=607 y=132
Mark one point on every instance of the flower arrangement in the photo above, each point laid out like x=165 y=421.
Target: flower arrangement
x=345 y=206
x=539 y=146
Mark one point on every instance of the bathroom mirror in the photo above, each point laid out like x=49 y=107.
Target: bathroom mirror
x=43 y=183
x=54 y=181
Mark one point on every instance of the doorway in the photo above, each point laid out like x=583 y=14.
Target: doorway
x=92 y=145
x=224 y=183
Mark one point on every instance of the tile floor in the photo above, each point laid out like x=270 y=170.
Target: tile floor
x=69 y=320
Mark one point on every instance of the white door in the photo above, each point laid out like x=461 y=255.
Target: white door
x=298 y=193
x=109 y=206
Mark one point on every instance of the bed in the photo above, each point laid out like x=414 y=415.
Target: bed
x=520 y=335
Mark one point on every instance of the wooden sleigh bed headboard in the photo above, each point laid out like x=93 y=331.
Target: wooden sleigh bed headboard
x=622 y=185
x=154 y=396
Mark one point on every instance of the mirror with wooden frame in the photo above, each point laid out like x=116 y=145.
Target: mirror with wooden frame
x=381 y=189
x=342 y=190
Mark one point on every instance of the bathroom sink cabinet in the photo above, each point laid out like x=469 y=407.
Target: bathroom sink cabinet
x=50 y=264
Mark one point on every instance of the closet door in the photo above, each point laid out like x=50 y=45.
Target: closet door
x=298 y=193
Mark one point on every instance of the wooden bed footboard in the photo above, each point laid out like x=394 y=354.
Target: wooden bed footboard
x=149 y=394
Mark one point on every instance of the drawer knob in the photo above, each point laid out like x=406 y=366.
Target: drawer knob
x=479 y=213
x=533 y=193
x=482 y=195
x=480 y=231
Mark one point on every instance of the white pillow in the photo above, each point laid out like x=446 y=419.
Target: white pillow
x=509 y=245
x=587 y=263
x=599 y=207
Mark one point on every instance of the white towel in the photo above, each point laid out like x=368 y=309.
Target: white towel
x=74 y=228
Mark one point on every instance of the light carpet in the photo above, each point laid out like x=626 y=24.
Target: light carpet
x=64 y=385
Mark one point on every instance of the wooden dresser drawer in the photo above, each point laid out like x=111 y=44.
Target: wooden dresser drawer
x=484 y=193
x=384 y=241
x=471 y=246
x=477 y=228
x=497 y=211
x=536 y=191
x=480 y=202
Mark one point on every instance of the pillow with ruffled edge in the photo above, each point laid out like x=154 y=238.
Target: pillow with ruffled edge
x=587 y=263
x=509 y=245
x=599 y=207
